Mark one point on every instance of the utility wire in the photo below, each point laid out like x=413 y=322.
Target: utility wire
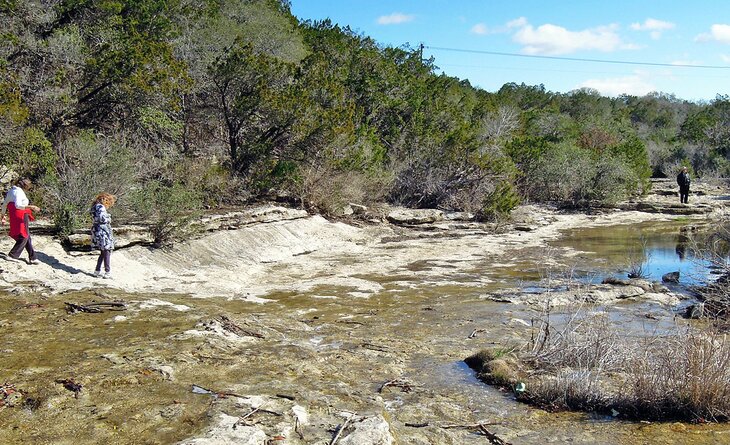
x=576 y=59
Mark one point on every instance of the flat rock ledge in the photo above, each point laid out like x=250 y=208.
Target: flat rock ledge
x=605 y=293
x=139 y=234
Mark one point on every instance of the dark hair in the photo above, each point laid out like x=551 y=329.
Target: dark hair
x=23 y=182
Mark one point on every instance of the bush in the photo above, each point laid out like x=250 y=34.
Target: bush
x=327 y=190
x=571 y=175
x=169 y=209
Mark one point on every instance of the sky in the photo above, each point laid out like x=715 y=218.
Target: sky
x=555 y=42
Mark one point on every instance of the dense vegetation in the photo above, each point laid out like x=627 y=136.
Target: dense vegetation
x=176 y=104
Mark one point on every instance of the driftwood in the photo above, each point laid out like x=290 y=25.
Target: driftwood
x=482 y=427
x=475 y=331
x=493 y=438
x=230 y=326
x=95 y=307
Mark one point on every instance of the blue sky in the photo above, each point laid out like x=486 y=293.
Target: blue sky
x=669 y=33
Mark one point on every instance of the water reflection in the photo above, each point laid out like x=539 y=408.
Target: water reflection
x=650 y=249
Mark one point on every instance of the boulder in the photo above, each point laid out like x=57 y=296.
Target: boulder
x=369 y=431
x=671 y=277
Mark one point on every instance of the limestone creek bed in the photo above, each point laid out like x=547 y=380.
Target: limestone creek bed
x=306 y=369
x=295 y=368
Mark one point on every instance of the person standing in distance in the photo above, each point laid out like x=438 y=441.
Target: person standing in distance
x=18 y=206
x=683 y=181
x=101 y=233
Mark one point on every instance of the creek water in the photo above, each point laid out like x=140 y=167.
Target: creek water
x=653 y=248
x=329 y=346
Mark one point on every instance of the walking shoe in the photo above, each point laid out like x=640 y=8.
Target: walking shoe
x=107 y=275
x=98 y=274
x=33 y=262
x=12 y=258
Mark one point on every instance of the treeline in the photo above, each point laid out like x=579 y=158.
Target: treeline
x=178 y=104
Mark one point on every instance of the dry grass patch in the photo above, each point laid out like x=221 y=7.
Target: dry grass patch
x=591 y=364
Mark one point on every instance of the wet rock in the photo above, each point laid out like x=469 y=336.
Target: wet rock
x=671 y=277
x=415 y=216
x=369 y=431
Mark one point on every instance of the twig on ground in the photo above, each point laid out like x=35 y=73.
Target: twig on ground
x=231 y=326
x=493 y=438
x=404 y=385
x=475 y=331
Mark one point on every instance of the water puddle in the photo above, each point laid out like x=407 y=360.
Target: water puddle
x=656 y=248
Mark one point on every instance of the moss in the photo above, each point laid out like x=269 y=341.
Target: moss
x=495 y=367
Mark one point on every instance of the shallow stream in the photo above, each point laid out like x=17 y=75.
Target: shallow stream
x=327 y=348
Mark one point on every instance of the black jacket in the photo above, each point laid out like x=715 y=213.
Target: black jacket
x=683 y=180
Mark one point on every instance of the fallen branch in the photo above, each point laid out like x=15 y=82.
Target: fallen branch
x=493 y=438
x=417 y=425
x=243 y=418
x=375 y=347
x=468 y=426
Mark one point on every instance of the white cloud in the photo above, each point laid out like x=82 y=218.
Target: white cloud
x=652 y=25
x=725 y=58
x=517 y=23
x=635 y=85
x=551 y=39
x=480 y=28
x=718 y=33
x=395 y=19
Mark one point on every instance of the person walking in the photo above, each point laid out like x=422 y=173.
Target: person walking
x=18 y=208
x=683 y=181
x=102 y=237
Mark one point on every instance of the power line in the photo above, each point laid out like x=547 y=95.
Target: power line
x=543 y=70
x=576 y=59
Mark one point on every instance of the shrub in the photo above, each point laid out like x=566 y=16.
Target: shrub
x=169 y=209
x=327 y=190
